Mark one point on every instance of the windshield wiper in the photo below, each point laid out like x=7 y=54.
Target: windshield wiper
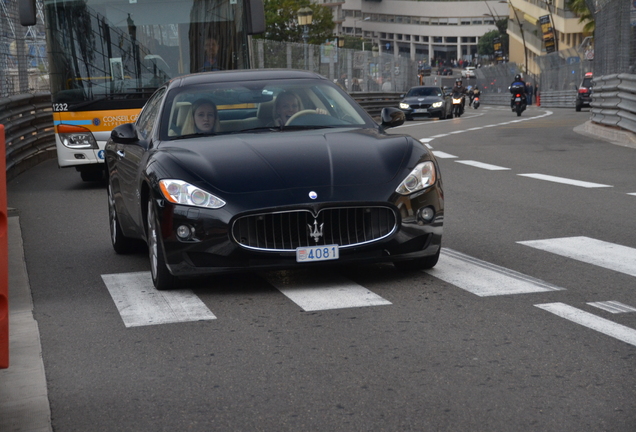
x=117 y=96
x=196 y=135
x=257 y=129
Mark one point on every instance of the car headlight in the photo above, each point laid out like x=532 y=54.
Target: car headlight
x=404 y=105
x=180 y=192
x=420 y=178
x=437 y=104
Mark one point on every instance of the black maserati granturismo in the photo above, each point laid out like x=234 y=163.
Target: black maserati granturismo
x=269 y=169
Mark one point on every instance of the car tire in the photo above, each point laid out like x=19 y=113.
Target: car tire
x=578 y=106
x=423 y=263
x=161 y=276
x=122 y=244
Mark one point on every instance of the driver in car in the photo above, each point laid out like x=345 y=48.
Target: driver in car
x=287 y=104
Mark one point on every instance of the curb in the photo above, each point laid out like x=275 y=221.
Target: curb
x=612 y=135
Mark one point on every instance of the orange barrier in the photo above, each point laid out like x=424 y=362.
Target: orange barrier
x=4 y=258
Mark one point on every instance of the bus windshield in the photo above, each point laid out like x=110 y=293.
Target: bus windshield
x=112 y=54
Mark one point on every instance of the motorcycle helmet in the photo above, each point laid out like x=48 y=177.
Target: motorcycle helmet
x=517 y=77
x=458 y=82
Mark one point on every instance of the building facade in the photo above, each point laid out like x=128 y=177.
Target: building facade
x=526 y=34
x=420 y=30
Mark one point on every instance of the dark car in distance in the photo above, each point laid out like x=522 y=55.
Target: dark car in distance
x=427 y=101
x=217 y=175
x=584 y=93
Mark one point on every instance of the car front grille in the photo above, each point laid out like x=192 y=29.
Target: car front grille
x=420 y=105
x=287 y=230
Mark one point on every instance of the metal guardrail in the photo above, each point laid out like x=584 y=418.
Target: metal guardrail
x=29 y=133
x=614 y=101
x=374 y=102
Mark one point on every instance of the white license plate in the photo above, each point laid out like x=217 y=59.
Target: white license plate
x=420 y=110
x=317 y=253
x=517 y=99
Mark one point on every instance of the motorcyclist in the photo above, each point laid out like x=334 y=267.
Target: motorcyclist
x=459 y=90
x=518 y=86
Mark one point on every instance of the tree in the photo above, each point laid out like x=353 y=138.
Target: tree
x=486 y=42
x=281 y=22
x=580 y=8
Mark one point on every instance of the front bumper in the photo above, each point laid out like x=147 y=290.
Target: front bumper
x=213 y=250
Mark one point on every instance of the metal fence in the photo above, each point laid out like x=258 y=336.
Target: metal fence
x=614 y=36
x=23 y=59
x=361 y=70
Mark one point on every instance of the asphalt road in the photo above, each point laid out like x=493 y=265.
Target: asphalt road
x=500 y=336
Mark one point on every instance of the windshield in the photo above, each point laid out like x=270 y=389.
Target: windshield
x=258 y=106
x=112 y=54
x=425 y=91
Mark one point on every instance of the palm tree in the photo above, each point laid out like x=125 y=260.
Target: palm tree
x=580 y=8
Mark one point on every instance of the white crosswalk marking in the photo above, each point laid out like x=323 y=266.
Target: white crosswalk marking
x=443 y=155
x=482 y=165
x=603 y=254
x=140 y=304
x=563 y=180
x=613 y=307
x=484 y=279
x=591 y=321
x=322 y=291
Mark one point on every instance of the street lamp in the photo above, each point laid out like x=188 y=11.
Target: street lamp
x=305 y=16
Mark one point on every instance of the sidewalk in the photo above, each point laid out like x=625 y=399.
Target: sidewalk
x=24 y=402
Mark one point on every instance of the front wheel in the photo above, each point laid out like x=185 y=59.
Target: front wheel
x=161 y=276
x=121 y=243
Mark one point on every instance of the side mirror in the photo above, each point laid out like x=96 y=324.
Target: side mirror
x=392 y=117
x=27 y=11
x=255 y=17
x=124 y=134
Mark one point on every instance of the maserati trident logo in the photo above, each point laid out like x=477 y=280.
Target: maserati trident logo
x=316 y=231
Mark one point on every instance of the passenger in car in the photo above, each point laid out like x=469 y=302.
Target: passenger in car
x=204 y=118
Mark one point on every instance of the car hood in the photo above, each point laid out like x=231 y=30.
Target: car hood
x=260 y=162
x=421 y=99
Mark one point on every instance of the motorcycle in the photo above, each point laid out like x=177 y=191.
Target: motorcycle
x=458 y=105
x=519 y=103
x=476 y=102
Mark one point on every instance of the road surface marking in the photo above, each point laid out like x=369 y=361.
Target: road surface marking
x=563 y=180
x=314 y=291
x=597 y=252
x=484 y=279
x=140 y=304
x=482 y=165
x=591 y=321
x=613 y=306
x=442 y=155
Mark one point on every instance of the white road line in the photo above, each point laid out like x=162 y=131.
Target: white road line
x=597 y=252
x=632 y=194
x=322 y=291
x=564 y=180
x=484 y=279
x=602 y=325
x=482 y=165
x=613 y=306
x=443 y=155
x=140 y=304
